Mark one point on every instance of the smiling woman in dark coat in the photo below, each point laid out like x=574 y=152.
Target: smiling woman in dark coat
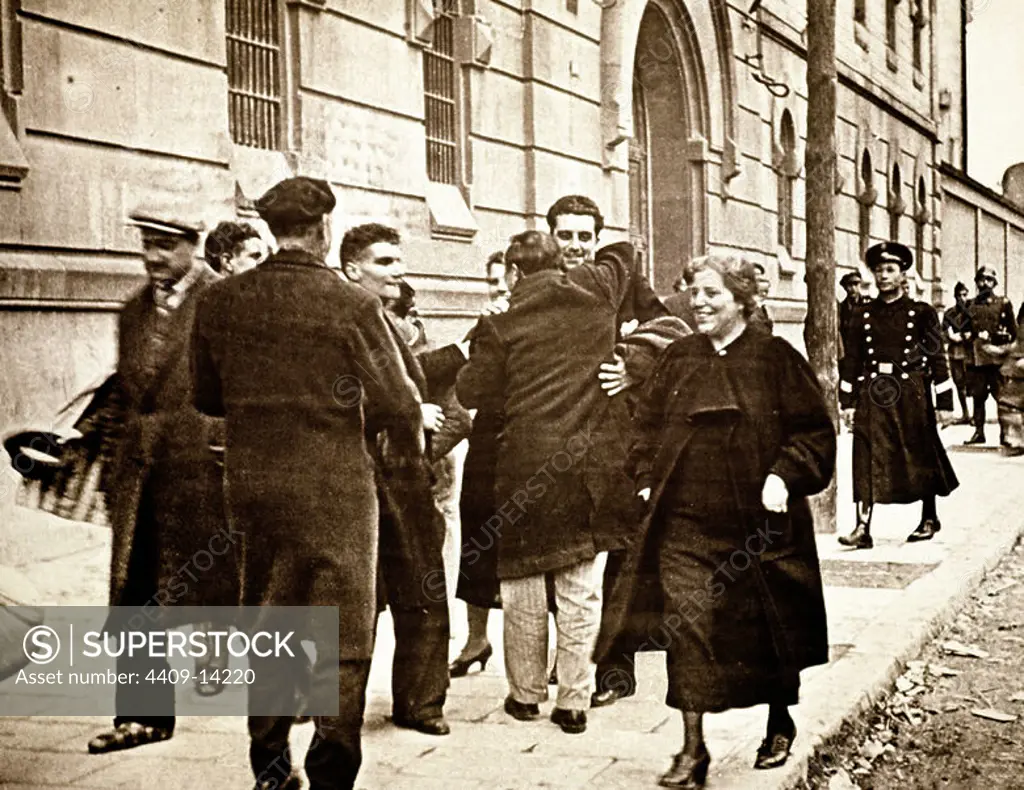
x=732 y=435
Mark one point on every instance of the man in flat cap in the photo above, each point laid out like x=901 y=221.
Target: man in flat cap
x=164 y=489
x=992 y=326
x=894 y=355
x=297 y=361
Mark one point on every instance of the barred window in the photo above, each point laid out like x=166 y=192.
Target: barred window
x=254 y=72
x=439 y=96
x=860 y=11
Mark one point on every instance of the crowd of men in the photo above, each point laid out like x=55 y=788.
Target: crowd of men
x=294 y=385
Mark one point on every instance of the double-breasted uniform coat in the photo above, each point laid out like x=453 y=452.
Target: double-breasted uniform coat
x=894 y=355
x=164 y=484
x=740 y=606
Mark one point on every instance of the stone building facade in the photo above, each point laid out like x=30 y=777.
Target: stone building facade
x=459 y=121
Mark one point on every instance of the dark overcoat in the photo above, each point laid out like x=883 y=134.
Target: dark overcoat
x=772 y=419
x=412 y=527
x=894 y=355
x=537 y=365
x=164 y=485
x=295 y=360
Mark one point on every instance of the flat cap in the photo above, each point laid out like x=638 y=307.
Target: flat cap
x=986 y=271
x=295 y=201
x=850 y=278
x=889 y=252
x=167 y=220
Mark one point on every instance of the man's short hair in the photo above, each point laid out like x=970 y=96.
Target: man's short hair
x=575 y=204
x=226 y=239
x=496 y=258
x=532 y=252
x=357 y=239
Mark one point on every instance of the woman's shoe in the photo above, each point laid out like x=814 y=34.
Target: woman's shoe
x=460 y=667
x=687 y=771
x=774 y=750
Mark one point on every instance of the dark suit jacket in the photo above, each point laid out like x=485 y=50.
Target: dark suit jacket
x=165 y=486
x=537 y=364
x=294 y=357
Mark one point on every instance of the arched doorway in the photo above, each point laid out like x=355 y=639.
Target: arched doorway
x=667 y=182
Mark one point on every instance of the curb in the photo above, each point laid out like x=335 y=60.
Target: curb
x=852 y=685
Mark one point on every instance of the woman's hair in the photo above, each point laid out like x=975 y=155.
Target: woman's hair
x=738 y=275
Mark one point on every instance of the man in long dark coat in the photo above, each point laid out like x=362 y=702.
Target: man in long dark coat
x=164 y=489
x=894 y=354
x=294 y=357
x=556 y=476
x=412 y=529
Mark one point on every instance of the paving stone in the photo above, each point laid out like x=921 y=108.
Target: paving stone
x=27 y=767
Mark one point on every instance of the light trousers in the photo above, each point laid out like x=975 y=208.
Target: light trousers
x=577 y=622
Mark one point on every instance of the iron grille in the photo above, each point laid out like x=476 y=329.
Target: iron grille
x=254 y=72
x=439 y=96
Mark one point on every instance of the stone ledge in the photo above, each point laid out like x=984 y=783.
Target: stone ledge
x=51 y=280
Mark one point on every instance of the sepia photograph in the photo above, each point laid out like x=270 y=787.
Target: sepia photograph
x=511 y=394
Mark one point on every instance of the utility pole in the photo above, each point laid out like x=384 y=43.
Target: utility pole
x=820 y=326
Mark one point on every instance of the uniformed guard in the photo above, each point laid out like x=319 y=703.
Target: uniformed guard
x=993 y=330
x=894 y=355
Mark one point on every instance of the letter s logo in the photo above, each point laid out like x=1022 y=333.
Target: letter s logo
x=45 y=642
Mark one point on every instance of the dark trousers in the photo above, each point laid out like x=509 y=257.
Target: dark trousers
x=335 y=754
x=146 y=702
x=419 y=672
x=983 y=381
x=617 y=670
x=958 y=372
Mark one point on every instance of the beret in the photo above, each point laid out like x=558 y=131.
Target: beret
x=295 y=201
x=849 y=278
x=170 y=221
x=889 y=252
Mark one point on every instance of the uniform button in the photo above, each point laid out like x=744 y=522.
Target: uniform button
x=867 y=315
x=910 y=312
x=860 y=378
x=906 y=351
x=867 y=326
x=910 y=324
x=871 y=351
x=904 y=376
x=910 y=337
x=868 y=338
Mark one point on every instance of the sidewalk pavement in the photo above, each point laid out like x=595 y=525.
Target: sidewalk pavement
x=882 y=604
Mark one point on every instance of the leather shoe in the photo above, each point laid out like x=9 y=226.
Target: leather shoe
x=128 y=735
x=687 y=771
x=600 y=699
x=291 y=782
x=860 y=538
x=977 y=438
x=774 y=750
x=433 y=726
x=460 y=667
x=925 y=531
x=571 y=721
x=524 y=711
